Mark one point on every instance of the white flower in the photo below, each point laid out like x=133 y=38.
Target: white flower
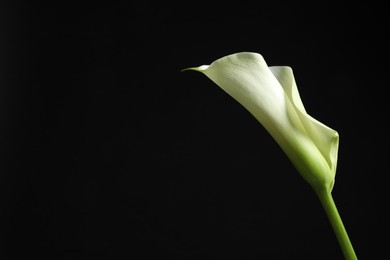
x=270 y=94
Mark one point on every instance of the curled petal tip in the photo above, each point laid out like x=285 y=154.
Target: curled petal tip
x=200 y=68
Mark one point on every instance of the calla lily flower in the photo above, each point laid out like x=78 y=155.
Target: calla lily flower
x=271 y=95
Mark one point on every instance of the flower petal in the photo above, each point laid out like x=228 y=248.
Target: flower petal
x=247 y=78
x=325 y=138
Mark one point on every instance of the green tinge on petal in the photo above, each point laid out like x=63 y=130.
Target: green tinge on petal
x=325 y=138
x=272 y=97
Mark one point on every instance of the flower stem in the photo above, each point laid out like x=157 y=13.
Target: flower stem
x=337 y=224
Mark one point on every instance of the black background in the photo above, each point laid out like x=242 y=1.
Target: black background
x=110 y=152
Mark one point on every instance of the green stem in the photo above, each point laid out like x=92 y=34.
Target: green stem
x=337 y=224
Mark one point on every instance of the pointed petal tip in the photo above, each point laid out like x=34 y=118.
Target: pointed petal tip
x=186 y=69
x=200 y=68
